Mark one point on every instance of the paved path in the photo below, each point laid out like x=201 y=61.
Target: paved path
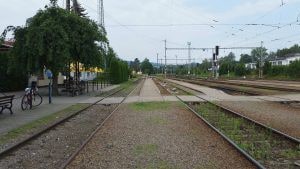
x=150 y=93
x=19 y=118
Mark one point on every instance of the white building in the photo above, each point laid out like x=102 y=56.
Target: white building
x=284 y=61
x=250 y=65
x=287 y=60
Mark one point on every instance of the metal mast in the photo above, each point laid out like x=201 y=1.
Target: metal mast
x=189 y=57
x=68 y=5
x=100 y=11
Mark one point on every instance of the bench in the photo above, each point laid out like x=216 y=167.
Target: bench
x=6 y=103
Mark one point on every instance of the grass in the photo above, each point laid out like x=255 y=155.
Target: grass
x=128 y=86
x=150 y=106
x=145 y=149
x=260 y=143
x=40 y=123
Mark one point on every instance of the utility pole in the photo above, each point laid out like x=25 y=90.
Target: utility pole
x=157 y=71
x=189 y=57
x=261 y=61
x=100 y=11
x=68 y=6
x=165 y=58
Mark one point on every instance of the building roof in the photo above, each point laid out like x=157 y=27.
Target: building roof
x=7 y=45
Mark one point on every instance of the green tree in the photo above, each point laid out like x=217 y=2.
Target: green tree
x=147 y=67
x=245 y=58
x=240 y=70
x=55 y=38
x=294 y=68
x=135 y=65
x=267 y=69
x=285 y=51
x=227 y=64
x=258 y=53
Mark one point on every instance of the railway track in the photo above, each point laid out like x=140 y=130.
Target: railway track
x=78 y=150
x=233 y=91
x=265 y=147
x=258 y=86
x=41 y=139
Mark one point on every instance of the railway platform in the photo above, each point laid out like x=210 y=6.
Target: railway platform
x=9 y=122
x=218 y=95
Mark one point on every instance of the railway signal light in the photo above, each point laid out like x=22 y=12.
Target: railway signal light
x=217 y=50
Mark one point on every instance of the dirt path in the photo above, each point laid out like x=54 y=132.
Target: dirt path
x=157 y=135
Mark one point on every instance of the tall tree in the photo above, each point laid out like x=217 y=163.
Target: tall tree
x=245 y=58
x=147 y=67
x=54 y=38
x=258 y=53
x=135 y=65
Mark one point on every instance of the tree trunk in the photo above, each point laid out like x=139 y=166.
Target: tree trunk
x=55 y=86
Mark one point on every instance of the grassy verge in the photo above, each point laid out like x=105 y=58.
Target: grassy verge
x=149 y=106
x=40 y=123
x=128 y=86
x=260 y=143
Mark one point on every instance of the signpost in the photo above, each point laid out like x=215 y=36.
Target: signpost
x=50 y=76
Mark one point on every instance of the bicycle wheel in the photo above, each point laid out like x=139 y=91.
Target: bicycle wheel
x=25 y=103
x=37 y=99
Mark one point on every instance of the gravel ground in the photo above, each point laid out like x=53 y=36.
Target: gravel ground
x=54 y=147
x=137 y=91
x=162 y=90
x=281 y=117
x=27 y=133
x=159 y=135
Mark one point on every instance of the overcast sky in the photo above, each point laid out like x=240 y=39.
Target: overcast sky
x=137 y=28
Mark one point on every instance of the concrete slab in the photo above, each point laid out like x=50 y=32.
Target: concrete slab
x=170 y=98
x=112 y=100
x=294 y=97
x=132 y=99
x=91 y=100
x=151 y=99
x=190 y=99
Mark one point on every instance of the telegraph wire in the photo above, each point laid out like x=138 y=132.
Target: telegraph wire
x=127 y=27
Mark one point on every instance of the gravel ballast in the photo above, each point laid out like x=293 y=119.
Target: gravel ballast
x=157 y=135
x=53 y=148
x=281 y=117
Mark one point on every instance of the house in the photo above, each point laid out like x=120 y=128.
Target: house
x=6 y=46
x=250 y=65
x=285 y=61
x=279 y=61
x=86 y=74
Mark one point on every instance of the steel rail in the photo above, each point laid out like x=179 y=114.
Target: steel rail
x=261 y=86
x=19 y=144
x=244 y=153
x=246 y=118
x=73 y=156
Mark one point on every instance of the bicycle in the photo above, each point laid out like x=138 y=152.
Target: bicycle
x=31 y=98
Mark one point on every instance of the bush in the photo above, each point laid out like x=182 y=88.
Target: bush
x=118 y=71
x=240 y=70
x=279 y=71
x=10 y=80
x=294 y=69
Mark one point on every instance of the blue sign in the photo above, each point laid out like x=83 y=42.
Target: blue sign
x=49 y=74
